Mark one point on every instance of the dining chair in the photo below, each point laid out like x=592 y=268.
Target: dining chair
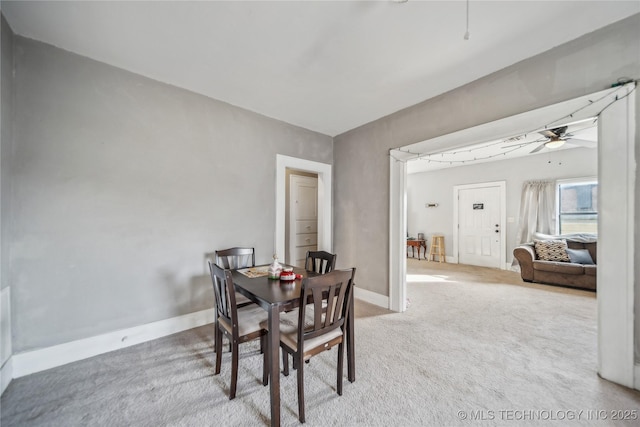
x=320 y=262
x=310 y=329
x=235 y=258
x=239 y=324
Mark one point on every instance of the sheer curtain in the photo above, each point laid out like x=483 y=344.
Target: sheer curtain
x=537 y=209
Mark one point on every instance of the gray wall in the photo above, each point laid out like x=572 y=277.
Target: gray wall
x=6 y=125
x=121 y=186
x=361 y=167
x=437 y=186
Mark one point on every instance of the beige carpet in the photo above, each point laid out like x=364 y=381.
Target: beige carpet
x=476 y=347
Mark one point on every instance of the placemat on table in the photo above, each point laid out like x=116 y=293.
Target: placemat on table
x=253 y=272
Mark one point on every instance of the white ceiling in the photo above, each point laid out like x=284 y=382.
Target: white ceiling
x=514 y=136
x=579 y=134
x=325 y=66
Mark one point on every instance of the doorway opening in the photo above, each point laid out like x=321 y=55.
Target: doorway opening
x=323 y=172
x=301 y=233
x=615 y=109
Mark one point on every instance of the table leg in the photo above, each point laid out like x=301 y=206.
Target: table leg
x=351 y=353
x=274 y=363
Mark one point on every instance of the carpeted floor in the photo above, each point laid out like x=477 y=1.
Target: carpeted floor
x=475 y=347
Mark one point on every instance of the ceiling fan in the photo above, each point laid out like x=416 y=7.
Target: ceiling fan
x=557 y=137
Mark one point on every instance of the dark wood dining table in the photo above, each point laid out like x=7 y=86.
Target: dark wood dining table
x=275 y=296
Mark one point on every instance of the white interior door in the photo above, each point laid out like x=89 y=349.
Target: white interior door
x=303 y=231
x=480 y=225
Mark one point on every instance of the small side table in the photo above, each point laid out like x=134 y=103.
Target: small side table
x=417 y=243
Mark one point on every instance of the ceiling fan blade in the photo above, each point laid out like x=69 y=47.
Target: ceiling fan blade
x=582 y=143
x=591 y=127
x=538 y=148
x=548 y=133
x=554 y=133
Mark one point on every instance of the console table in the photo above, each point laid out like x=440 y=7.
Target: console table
x=417 y=243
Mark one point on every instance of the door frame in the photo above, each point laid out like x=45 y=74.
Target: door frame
x=502 y=185
x=397 y=235
x=325 y=200
x=616 y=304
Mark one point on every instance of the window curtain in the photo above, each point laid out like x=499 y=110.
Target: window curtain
x=537 y=210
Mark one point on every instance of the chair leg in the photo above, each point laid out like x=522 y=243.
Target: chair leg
x=215 y=336
x=340 y=367
x=265 y=361
x=300 y=390
x=234 y=370
x=285 y=363
x=218 y=345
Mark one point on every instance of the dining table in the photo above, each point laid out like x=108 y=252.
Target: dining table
x=275 y=296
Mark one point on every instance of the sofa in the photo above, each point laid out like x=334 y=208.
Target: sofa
x=546 y=260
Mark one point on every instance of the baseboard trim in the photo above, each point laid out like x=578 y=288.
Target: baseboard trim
x=371 y=297
x=6 y=374
x=39 y=360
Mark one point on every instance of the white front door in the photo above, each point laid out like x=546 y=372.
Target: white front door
x=480 y=225
x=303 y=231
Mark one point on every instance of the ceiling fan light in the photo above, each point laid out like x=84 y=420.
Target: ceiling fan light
x=554 y=143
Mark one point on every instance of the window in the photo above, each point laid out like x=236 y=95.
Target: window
x=578 y=206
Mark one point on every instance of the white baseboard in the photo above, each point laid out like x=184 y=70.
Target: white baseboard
x=39 y=360
x=6 y=372
x=5 y=325
x=371 y=297
x=6 y=375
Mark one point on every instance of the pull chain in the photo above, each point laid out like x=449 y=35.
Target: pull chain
x=466 y=34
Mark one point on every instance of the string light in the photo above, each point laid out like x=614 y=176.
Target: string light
x=429 y=157
x=475 y=159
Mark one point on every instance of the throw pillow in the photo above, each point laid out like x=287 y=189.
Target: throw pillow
x=551 y=250
x=580 y=256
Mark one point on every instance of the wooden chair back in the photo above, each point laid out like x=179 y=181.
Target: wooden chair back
x=320 y=262
x=331 y=295
x=225 y=295
x=235 y=258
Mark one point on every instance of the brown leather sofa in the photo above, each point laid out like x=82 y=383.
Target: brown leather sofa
x=570 y=274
